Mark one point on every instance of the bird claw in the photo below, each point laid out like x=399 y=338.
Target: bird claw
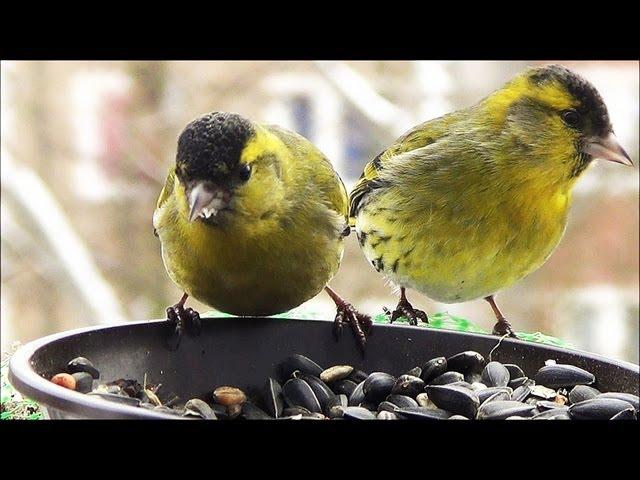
x=182 y=319
x=405 y=309
x=503 y=328
x=338 y=324
x=361 y=324
x=194 y=321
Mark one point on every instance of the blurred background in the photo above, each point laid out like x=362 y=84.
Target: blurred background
x=86 y=147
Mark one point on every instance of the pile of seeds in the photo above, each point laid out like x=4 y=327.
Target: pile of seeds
x=461 y=387
x=82 y=376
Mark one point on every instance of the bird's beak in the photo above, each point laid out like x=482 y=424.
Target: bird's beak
x=205 y=201
x=607 y=148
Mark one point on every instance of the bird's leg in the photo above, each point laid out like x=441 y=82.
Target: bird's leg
x=181 y=319
x=346 y=313
x=405 y=309
x=502 y=327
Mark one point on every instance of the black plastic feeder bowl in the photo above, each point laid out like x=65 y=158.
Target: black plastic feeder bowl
x=244 y=352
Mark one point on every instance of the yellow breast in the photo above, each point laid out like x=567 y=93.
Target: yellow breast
x=258 y=268
x=463 y=247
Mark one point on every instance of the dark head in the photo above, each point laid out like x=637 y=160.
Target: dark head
x=588 y=113
x=559 y=117
x=208 y=161
x=227 y=164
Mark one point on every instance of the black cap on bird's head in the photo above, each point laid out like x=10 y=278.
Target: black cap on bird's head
x=592 y=111
x=209 y=147
x=588 y=116
x=208 y=161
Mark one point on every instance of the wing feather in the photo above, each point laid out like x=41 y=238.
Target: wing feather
x=418 y=137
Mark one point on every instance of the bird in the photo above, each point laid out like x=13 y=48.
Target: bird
x=252 y=220
x=463 y=206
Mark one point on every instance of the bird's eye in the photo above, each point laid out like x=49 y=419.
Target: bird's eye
x=571 y=118
x=245 y=172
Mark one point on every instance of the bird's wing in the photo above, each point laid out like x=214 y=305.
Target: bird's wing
x=326 y=176
x=419 y=136
x=166 y=192
x=368 y=181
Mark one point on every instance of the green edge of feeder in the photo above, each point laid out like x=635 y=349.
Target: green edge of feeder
x=443 y=320
x=13 y=405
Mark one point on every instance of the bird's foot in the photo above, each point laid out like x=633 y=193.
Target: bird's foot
x=182 y=319
x=405 y=309
x=361 y=324
x=502 y=328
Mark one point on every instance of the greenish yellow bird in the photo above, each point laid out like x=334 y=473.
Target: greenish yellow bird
x=467 y=204
x=252 y=220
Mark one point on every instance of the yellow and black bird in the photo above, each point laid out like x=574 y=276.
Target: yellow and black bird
x=465 y=205
x=252 y=220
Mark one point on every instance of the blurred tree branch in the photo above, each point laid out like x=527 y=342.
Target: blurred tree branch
x=361 y=94
x=34 y=201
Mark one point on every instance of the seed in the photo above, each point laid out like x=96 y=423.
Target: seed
x=447 y=377
x=598 y=408
x=521 y=393
x=433 y=368
x=386 y=415
x=466 y=362
x=335 y=373
x=518 y=382
x=228 y=396
x=488 y=392
x=458 y=417
x=298 y=363
x=358 y=376
x=377 y=386
x=298 y=393
x=500 y=395
x=81 y=364
x=199 y=408
x=358 y=413
x=345 y=387
x=421 y=413
x=320 y=389
x=502 y=409
x=64 y=380
x=627 y=397
x=541 y=391
x=457 y=400
x=272 y=398
x=335 y=406
x=293 y=411
x=579 y=393
x=84 y=382
x=357 y=396
x=561 y=399
x=627 y=414
x=514 y=370
x=495 y=375
x=408 y=385
x=424 y=401
x=553 y=414
x=559 y=375
x=402 y=401
x=387 y=406
x=253 y=412
x=543 y=405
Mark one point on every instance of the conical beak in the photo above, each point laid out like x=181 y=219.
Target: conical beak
x=199 y=199
x=607 y=148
